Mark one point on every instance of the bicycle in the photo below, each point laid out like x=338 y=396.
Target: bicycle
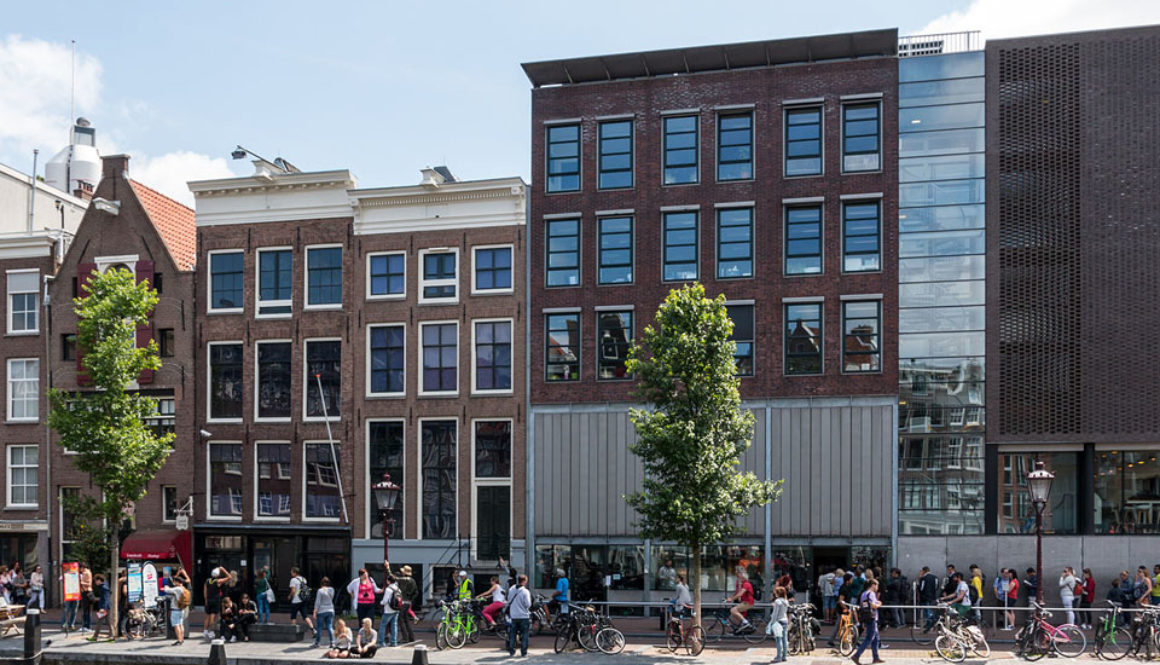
x=921 y=626
x=800 y=635
x=678 y=633
x=722 y=621
x=957 y=636
x=1037 y=638
x=846 y=634
x=144 y=622
x=581 y=626
x=1112 y=641
x=1146 y=635
x=455 y=627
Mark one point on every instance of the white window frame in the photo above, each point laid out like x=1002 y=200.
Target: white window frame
x=11 y=394
x=258 y=517
x=209 y=380
x=419 y=469
x=306 y=379
x=35 y=330
x=164 y=520
x=476 y=483
x=370 y=510
x=385 y=296
x=209 y=516
x=258 y=302
x=63 y=540
x=257 y=379
x=423 y=392
x=474 y=263
x=424 y=283
x=306 y=276
x=8 y=502
x=338 y=480
x=210 y=309
x=106 y=262
x=385 y=324
x=474 y=390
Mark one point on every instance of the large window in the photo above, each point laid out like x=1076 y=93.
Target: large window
x=323 y=366
x=24 y=389
x=226 y=385
x=323 y=276
x=564 y=158
x=386 y=275
x=323 y=500
x=861 y=235
x=226 y=280
x=169 y=505
x=860 y=132
x=1061 y=514
x=803 y=240
x=615 y=250
x=439 y=277
x=275 y=282
x=743 y=335
x=440 y=357
x=735 y=146
x=274 y=478
x=225 y=480
x=803 y=338
x=681 y=149
x=388 y=360
x=385 y=450
x=1127 y=492
x=614 y=332
x=493 y=356
x=803 y=141
x=861 y=321
x=734 y=243
x=680 y=246
x=563 y=267
x=493 y=449
x=273 y=399
x=615 y=154
x=493 y=269
x=562 y=347
x=23 y=287
x=493 y=470
x=438 y=445
x=22 y=476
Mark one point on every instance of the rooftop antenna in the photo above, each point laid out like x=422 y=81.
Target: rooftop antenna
x=72 y=95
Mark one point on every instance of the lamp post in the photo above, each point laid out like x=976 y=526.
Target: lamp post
x=386 y=495
x=1039 y=485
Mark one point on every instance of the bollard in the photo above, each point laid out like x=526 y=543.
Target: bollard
x=217 y=652
x=32 y=635
x=418 y=656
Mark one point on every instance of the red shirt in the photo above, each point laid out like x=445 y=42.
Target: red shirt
x=1013 y=589
x=746 y=593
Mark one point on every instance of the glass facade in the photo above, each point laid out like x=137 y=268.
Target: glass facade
x=941 y=296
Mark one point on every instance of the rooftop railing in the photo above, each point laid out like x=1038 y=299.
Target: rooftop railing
x=948 y=42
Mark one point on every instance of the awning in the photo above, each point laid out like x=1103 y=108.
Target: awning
x=159 y=545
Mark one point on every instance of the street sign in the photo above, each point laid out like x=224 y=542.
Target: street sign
x=135 y=581
x=72 y=581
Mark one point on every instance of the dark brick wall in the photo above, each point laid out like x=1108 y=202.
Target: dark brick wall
x=646 y=99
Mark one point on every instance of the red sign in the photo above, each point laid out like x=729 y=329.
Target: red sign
x=72 y=581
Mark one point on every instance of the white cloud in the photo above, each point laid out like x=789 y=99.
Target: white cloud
x=1017 y=18
x=169 y=172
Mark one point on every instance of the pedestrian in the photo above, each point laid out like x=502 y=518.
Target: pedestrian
x=123 y=605
x=102 y=604
x=519 y=606
x=842 y=601
x=779 y=623
x=88 y=598
x=391 y=603
x=324 y=613
x=1011 y=598
x=999 y=588
x=951 y=584
x=365 y=644
x=1088 y=597
x=409 y=598
x=868 y=605
x=179 y=601
x=342 y=642
x=1155 y=584
x=36 y=588
x=976 y=592
x=1068 y=586
x=1031 y=585
x=364 y=590
x=836 y=586
x=262 y=593
x=683 y=601
x=212 y=592
x=19 y=584
x=298 y=604
x=927 y=595
x=1116 y=597
x=825 y=591
x=896 y=588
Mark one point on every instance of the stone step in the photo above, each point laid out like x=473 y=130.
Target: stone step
x=279 y=632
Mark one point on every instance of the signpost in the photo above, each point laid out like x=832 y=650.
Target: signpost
x=72 y=581
x=135 y=582
x=149 y=584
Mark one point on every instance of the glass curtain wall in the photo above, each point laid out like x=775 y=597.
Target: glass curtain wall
x=941 y=318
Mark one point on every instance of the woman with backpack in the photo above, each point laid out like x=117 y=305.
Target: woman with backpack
x=177 y=607
x=392 y=602
x=868 y=605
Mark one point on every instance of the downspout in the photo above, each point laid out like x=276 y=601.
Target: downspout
x=530 y=429
x=48 y=499
x=32 y=191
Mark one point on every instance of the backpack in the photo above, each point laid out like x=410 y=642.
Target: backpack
x=756 y=593
x=305 y=593
x=183 y=599
x=865 y=611
x=972 y=593
x=395 y=603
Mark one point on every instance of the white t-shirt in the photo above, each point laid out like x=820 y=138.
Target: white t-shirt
x=295 y=589
x=389 y=593
x=966 y=591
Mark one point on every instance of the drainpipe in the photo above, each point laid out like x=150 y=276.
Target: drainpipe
x=32 y=191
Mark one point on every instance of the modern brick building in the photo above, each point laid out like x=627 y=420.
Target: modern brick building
x=768 y=172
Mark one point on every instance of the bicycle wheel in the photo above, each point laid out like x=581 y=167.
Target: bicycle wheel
x=1036 y=644
x=980 y=646
x=563 y=637
x=536 y=624
x=919 y=632
x=716 y=631
x=950 y=648
x=586 y=636
x=456 y=635
x=610 y=641
x=849 y=641
x=695 y=641
x=673 y=636
x=1069 y=641
x=472 y=629
x=793 y=640
x=441 y=636
x=1115 y=645
x=757 y=635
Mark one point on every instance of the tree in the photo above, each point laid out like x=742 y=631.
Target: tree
x=106 y=427
x=691 y=438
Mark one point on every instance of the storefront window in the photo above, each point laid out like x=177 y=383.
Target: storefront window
x=548 y=559
x=1017 y=514
x=625 y=567
x=1127 y=492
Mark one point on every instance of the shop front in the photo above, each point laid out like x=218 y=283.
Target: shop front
x=166 y=549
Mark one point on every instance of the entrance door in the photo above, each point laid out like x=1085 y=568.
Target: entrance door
x=826 y=559
x=276 y=555
x=493 y=511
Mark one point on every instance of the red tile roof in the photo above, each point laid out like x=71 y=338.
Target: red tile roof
x=174 y=221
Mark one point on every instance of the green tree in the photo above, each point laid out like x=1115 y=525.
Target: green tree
x=106 y=427
x=691 y=437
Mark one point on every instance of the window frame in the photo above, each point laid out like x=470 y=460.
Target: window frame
x=419 y=508
x=490 y=481
x=579 y=235
x=632 y=336
x=335 y=447
x=165 y=504
x=209 y=417
x=209 y=476
x=306 y=417
x=475 y=390
x=736 y=112
x=370 y=295
x=846 y=104
x=258 y=516
x=68 y=346
x=370 y=510
x=424 y=282
x=785 y=354
x=210 y=309
x=475 y=290
x=10 y=396
x=259 y=302
x=877 y=334
x=752 y=305
x=718 y=210
x=165 y=348
x=631 y=265
x=8 y=502
x=579 y=172
x=785 y=255
x=665 y=117
x=855 y=201
x=579 y=364
x=9 y=293
x=258 y=380
x=423 y=392
x=696 y=213
x=786 y=111
x=600 y=154
x=306 y=304
x=370 y=365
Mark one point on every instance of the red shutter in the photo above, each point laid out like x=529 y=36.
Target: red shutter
x=144 y=271
x=84 y=273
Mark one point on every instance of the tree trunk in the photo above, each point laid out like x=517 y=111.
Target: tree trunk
x=114 y=583
x=695 y=583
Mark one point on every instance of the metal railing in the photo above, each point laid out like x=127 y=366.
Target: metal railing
x=938 y=44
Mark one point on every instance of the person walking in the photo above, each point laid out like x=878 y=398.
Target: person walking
x=1068 y=586
x=520 y=610
x=826 y=591
x=262 y=593
x=1142 y=587
x=102 y=605
x=324 y=612
x=868 y=605
x=1088 y=597
x=779 y=623
x=179 y=601
x=927 y=595
x=88 y=599
x=392 y=601
x=839 y=580
x=298 y=605
x=36 y=588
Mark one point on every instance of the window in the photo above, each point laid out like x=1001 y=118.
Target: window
x=385 y=451
x=23 y=287
x=24 y=389
x=493 y=510
x=615 y=250
x=563 y=252
x=68 y=346
x=742 y=317
x=387 y=275
x=562 y=355
x=803 y=141
x=226 y=386
x=734 y=243
x=493 y=356
x=614 y=330
x=165 y=342
x=1123 y=482
x=387 y=359
x=860 y=137
x=680 y=246
x=273 y=399
x=275 y=282
x=22 y=476
x=225 y=480
x=615 y=154
x=440 y=357
x=860 y=349
x=564 y=158
x=323 y=276
x=493 y=449
x=735 y=146
x=438 y=445
x=164 y=421
x=439 y=276
x=322 y=497
x=274 y=477
x=323 y=366
x=169 y=505
x=681 y=149
x=860 y=245
x=68 y=522
x=803 y=240
x=493 y=268
x=803 y=338
x=158 y=283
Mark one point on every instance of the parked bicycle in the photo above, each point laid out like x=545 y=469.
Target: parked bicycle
x=588 y=630
x=957 y=636
x=1112 y=641
x=802 y=628
x=145 y=622
x=845 y=639
x=456 y=626
x=1038 y=638
x=681 y=632
x=1146 y=633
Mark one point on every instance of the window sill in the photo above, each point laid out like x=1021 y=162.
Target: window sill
x=22 y=333
x=319 y=419
x=272 y=520
x=439 y=395
x=423 y=303
x=21 y=507
x=386 y=396
x=225 y=421
x=329 y=307
x=680 y=184
x=866 y=172
x=273 y=421
x=563 y=191
x=264 y=317
x=22 y=421
x=387 y=296
x=494 y=292
x=223 y=518
x=803 y=274
x=492 y=393
x=804 y=176
x=215 y=312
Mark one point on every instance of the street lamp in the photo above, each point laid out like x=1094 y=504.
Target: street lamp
x=386 y=495
x=1039 y=486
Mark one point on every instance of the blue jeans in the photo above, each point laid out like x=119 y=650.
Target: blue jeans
x=325 y=622
x=263 y=608
x=871 y=640
x=390 y=619
x=782 y=644
x=519 y=627
x=69 y=616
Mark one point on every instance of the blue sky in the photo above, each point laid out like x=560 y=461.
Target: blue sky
x=383 y=88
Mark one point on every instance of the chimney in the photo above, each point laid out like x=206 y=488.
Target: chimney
x=115 y=166
x=85 y=191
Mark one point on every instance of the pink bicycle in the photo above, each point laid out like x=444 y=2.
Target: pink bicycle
x=1038 y=638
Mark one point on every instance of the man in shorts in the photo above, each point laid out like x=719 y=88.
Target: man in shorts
x=297 y=607
x=744 y=599
x=213 y=601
